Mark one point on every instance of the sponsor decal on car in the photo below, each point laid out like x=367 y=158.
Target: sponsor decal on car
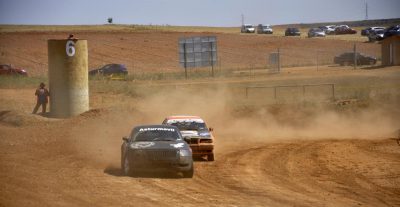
x=156 y=129
x=170 y=121
x=138 y=145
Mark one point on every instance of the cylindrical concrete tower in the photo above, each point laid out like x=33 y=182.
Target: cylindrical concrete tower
x=68 y=77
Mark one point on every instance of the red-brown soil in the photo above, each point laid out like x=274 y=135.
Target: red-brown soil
x=278 y=156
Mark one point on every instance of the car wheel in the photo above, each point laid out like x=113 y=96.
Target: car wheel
x=189 y=173
x=210 y=157
x=127 y=167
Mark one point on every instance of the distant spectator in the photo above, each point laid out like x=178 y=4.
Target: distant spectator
x=42 y=95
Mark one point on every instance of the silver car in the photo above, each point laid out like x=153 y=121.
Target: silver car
x=316 y=32
x=264 y=29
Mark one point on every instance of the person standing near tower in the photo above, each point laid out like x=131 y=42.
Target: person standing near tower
x=42 y=95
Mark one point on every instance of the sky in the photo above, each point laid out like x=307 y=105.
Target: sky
x=192 y=13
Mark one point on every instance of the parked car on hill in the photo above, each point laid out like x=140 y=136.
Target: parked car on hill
x=292 y=31
x=110 y=69
x=329 y=29
x=376 y=35
x=7 y=70
x=391 y=31
x=264 y=29
x=344 y=29
x=195 y=132
x=366 y=31
x=347 y=58
x=316 y=32
x=247 y=28
x=156 y=148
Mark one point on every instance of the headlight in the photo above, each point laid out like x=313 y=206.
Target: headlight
x=204 y=134
x=185 y=153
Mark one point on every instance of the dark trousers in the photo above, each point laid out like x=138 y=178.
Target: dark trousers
x=37 y=107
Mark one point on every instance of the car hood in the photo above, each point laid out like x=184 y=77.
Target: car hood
x=179 y=144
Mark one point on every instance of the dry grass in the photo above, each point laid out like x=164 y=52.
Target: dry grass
x=278 y=30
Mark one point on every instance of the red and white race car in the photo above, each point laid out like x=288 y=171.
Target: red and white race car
x=195 y=132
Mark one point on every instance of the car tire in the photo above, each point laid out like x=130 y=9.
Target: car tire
x=189 y=173
x=127 y=167
x=210 y=157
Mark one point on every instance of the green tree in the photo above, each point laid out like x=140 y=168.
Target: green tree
x=110 y=20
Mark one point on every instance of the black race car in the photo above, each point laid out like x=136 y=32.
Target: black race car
x=156 y=148
x=347 y=58
x=110 y=69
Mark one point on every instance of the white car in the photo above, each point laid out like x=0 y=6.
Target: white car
x=264 y=29
x=195 y=132
x=316 y=32
x=248 y=28
x=329 y=29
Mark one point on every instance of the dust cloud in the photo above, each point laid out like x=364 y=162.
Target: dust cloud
x=97 y=135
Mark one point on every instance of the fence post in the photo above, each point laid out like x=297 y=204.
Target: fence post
x=133 y=70
x=212 y=60
x=220 y=63
x=279 y=60
x=355 y=56
x=184 y=57
x=317 y=61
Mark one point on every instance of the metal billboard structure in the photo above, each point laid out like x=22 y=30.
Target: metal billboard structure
x=274 y=62
x=198 y=52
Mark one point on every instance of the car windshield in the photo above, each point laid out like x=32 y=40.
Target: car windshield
x=190 y=125
x=317 y=30
x=248 y=26
x=265 y=27
x=157 y=134
x=379 y=31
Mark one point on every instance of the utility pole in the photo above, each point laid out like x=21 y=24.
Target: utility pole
x=242 y=19
x=366 y=10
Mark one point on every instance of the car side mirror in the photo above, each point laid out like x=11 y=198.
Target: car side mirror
x=210 y=129
x=125 y=139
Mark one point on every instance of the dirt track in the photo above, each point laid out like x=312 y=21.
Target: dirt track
x=75 y=162
x=41 y=170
